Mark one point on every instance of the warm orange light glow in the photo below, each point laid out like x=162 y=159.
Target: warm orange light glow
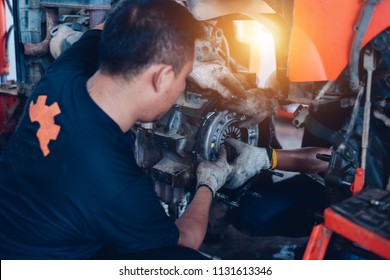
x=262 y=48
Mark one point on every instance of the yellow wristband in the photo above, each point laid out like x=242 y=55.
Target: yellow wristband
x=274 y=159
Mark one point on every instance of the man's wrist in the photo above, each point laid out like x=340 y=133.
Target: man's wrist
x=206 y=186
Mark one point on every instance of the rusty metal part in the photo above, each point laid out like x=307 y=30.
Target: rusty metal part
x=64 y=35
x=43 y=47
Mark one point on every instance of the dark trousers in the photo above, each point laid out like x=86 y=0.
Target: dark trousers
x=286 y=208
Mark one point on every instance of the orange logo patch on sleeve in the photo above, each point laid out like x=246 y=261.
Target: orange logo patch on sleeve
x=44 y=115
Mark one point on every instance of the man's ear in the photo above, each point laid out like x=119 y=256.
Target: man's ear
x=163 y=77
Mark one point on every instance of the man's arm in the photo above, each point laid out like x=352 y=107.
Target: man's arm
x=193 y=223
x=251 y=160
x=211 y=176
x=302 y=160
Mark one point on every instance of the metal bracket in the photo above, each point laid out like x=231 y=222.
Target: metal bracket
x=301 y=113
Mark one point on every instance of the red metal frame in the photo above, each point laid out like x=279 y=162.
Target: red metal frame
x=358 y=182
x=321 y=234
x=318 y=243
x=365 y=238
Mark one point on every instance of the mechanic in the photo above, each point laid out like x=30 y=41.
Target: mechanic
x=69 y=184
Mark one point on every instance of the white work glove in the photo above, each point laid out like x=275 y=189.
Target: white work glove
x=216 y=77
x=249 y=162
x=213 y=174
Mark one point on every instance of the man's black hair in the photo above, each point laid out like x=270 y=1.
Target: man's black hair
x=139 y=33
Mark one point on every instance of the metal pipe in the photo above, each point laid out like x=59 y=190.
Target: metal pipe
x=369 y=65
x=361 y=28
x=43 y=47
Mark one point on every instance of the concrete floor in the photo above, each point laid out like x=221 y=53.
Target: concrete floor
x=234 y=245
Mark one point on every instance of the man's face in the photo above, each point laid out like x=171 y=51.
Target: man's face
x=177 y=88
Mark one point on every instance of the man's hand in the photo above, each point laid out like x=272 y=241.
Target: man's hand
x=193 y=223
x=249 y=162
x=213 y=174
x=217 y=78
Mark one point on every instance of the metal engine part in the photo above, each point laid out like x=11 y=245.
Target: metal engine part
x=195 y=127
x=170 y=149
x=221 y=125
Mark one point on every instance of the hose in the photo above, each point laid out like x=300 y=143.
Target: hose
x=43 y=47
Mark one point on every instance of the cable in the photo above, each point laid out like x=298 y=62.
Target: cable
x=9 y=5
x=7 y=36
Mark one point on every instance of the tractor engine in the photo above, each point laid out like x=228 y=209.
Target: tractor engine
x=169 y=148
